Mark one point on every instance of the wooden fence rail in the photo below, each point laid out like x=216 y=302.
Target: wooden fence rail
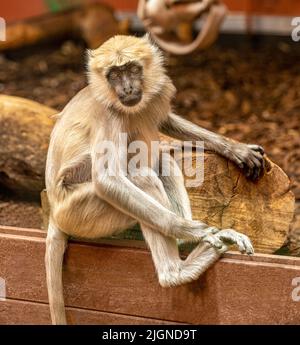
x=113 y=282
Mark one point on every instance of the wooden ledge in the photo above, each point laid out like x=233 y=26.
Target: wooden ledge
x=114 y=282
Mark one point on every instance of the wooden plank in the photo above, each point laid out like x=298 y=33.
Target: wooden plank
x=288 y=260
x=12 y=312
x=121 y=280
x=12 y=230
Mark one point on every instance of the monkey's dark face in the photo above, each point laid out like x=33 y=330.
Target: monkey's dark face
x=126 y=80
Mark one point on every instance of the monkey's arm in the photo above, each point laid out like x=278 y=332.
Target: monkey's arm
x=247 y=157
x=133 y=196
x=125 y=196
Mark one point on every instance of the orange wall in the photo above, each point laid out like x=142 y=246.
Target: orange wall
x=18 y=9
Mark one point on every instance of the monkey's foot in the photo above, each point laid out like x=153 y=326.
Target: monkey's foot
x=230 y=237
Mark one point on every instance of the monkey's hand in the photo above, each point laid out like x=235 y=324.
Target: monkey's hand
x=230 y=237
x=247 y=157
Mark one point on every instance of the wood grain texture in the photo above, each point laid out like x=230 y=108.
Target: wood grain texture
x=262 y=210
x=15 y=312
x=121 y=280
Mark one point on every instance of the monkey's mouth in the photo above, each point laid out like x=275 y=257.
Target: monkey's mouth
x=132 y=100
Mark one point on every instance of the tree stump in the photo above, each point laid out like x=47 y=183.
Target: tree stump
x=262 y=210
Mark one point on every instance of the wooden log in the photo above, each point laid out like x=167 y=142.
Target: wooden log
x=25 y=127
x=263 y=210
x=121 y=280
x=226 y=199
x=94 y=23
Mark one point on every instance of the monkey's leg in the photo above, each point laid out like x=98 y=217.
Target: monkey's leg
x=80 y=214
x=175 y=188
x=56 y=243
x=83 y=214
x=170 y=268
x=179 y=199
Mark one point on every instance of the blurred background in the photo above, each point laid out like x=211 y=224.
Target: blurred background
x=245 y=86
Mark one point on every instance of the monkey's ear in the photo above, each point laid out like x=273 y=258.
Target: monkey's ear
x=156 y=51
x=91 y=62
x=90 y=53
x=147 y=37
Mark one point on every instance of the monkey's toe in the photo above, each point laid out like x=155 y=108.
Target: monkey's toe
x=214 y=241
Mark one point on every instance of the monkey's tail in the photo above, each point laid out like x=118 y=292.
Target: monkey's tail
x=207 y=35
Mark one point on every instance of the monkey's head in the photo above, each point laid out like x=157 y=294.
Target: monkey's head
x=126 y=72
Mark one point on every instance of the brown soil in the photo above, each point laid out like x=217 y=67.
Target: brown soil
x=20 y=213
x=244 y=90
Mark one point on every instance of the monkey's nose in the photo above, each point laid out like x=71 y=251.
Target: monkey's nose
x=128 y=90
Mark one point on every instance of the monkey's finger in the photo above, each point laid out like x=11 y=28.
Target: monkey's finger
x=241 y=245
x=239 y=162
x=257 y=148
x=256 y=174
x=248 y=171
x=261 y=159
x=212 y=230
x=258 y=155
x=253 y=169
x=248 y=246
x=224 y=249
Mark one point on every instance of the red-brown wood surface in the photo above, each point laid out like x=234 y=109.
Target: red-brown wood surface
x=30 y=313
x=121 y=280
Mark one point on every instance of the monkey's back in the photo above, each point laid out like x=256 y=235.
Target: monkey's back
x=70 y=144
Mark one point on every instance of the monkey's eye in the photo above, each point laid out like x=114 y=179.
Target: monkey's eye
x=134 y=69
x=113 y=75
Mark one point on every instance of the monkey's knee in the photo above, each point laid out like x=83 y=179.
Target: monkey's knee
x=148 y=181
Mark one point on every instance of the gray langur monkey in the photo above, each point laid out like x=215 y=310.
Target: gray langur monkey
x=129 y=92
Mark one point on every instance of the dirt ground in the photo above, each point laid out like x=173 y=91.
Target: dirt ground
x=247 y=89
